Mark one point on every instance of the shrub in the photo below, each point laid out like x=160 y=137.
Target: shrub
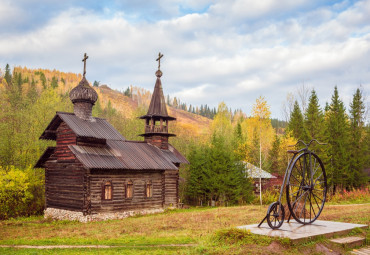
x=21 y=192
x=268 y=196
x=351 y=197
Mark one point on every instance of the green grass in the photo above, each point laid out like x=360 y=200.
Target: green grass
x=128 y=251
x=211 y=230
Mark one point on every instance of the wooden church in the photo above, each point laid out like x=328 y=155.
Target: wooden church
x=94 y=173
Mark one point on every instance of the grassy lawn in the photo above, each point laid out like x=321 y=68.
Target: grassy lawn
x=211 y=230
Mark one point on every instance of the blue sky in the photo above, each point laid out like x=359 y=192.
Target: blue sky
x=232 y=50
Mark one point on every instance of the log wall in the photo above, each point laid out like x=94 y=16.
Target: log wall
x=171 y=188
x=119 y=201
x=65 y=178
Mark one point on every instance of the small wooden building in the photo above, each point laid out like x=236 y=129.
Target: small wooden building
x=254 y=172
x=94 y=173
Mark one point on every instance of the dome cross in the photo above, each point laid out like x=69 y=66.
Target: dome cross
x=159 y=60
x=84 y=60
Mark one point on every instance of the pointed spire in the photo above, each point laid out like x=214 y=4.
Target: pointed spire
x=157 y=107
x=157 y=119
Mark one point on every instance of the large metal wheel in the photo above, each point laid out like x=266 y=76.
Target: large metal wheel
x=306 y=188
x=275 y=215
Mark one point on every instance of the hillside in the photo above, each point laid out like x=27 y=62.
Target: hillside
x=129 y=107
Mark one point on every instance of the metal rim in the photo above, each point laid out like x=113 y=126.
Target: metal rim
x=306 y=198
x=275 y=215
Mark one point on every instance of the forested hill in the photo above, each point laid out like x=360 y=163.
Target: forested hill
x=29 y=99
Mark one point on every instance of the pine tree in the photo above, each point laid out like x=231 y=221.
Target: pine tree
x=8 y=75
x=295 y=124
x=357 y=141
x=314 y=123
x=337 y=135
x=97 y=83
x=54 y=82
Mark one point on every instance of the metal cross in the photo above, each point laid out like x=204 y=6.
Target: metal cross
x=84 y=60
x=159 y=60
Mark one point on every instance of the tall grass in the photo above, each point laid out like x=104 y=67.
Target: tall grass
x=355 y=196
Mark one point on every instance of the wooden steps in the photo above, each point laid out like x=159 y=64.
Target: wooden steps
x=349 y=241
x=362 y=251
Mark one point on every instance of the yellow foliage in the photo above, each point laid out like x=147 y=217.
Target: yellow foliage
x=259 y=125
x=222 y=121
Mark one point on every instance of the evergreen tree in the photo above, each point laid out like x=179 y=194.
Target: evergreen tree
x=357 y=141
x=337 y=135
x=127 y=92
x=54 y=82
x=295 y=124
x=216 y=174
x=97 y=83
x=42 y=79
x=314 y=123
x=8 y=75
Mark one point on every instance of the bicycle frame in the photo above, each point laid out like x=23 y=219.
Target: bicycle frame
x=283 y=185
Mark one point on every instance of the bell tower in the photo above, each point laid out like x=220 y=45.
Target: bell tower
x=157 y=119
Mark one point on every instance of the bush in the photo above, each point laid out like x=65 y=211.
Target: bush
x=21 y=192
x=355 y=196
x=268 y=196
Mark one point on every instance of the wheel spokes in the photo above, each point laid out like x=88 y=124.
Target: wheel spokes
x=306 y=188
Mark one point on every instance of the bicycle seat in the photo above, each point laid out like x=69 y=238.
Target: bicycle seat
x=292 y=151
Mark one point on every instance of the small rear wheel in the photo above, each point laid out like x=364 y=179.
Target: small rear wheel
x=275 y=215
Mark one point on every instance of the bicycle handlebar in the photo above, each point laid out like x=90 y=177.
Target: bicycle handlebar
x=307 y=145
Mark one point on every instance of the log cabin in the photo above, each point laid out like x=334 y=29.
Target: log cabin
x=94 y=173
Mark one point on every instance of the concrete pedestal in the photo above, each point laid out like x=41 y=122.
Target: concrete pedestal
x=297 y=232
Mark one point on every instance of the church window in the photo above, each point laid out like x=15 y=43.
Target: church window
x=107 y=190
x=129 y=189
x=149 y=189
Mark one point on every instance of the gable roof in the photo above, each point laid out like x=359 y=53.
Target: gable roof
x=174 y=155
x=256 y=172
x=98 y=128
x=115 y=153
x=44 y=157
x=123 y=155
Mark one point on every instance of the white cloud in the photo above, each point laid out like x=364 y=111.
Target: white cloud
x=212 y=56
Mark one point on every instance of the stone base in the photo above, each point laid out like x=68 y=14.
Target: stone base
x=297 y=232
x=60 y=214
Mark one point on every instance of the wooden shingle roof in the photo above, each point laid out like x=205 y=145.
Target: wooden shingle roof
x=157 y=107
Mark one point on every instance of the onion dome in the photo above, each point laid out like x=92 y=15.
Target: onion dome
x=83 y=92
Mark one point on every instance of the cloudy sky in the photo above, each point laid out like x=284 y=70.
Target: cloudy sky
x=231 y=50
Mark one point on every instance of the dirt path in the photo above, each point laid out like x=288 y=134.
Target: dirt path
x=94 y=246
x=348 y=204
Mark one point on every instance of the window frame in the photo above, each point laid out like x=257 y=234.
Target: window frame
x=105 y=184
x=148 y=184
x=129 y=182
